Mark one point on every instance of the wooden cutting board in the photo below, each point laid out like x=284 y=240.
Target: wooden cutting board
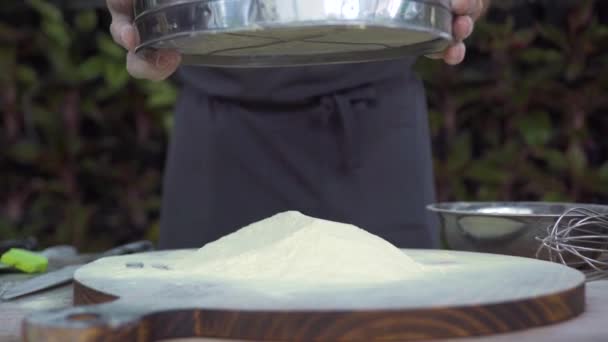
x=462 y=295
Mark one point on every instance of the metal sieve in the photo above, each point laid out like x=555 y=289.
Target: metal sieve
x=264 y=33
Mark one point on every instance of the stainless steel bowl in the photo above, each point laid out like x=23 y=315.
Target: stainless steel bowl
x=509 y=228
x=262 y=33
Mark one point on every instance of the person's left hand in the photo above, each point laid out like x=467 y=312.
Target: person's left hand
x=465 y=13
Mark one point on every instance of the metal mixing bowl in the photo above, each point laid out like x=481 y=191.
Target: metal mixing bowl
x=261 y=33
x=509 y=228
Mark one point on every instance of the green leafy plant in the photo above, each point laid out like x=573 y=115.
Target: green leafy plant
x=522 y=118
x=83 y=143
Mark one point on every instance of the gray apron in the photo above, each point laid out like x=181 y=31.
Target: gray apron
x=348 y=143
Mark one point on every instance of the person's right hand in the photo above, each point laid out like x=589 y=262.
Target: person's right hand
x=157 y=65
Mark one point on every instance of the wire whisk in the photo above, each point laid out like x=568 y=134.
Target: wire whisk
x=579 y=239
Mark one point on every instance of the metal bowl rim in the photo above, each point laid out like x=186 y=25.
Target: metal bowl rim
x=436 y=207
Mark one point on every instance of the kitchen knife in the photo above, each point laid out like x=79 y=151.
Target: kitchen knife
x=29 y=244
x=58 y=256
x=66 y=274
x=25 y=261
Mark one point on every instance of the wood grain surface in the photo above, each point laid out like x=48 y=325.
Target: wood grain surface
x=468 y=295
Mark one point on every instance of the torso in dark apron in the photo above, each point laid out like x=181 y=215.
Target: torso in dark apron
x=348 y=143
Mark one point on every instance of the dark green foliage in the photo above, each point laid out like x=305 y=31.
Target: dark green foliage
x=83 y=144
x=524 y=118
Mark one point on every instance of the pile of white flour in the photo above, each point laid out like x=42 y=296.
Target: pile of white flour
x=291 y=249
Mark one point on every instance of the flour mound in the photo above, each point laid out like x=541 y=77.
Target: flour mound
x=292 y=248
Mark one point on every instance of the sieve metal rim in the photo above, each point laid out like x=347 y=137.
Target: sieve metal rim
x=431 y=17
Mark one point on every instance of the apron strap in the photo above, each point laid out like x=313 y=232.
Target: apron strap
x=338 y=110
x=344 y=105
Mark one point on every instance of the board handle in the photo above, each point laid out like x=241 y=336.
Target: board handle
x=83 y=324
x=119 y=321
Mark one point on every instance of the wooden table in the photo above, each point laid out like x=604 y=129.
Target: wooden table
x=591 y=326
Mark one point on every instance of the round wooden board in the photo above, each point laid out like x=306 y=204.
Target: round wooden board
x=462 y=295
